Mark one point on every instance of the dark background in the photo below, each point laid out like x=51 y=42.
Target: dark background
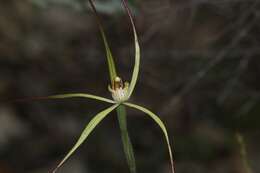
x=200 y=71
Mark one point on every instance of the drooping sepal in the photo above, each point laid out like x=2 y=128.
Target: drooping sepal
x=88 y=129
x=161 y=125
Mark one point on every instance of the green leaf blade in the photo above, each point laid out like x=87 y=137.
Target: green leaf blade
x=161 y=125
x=88 y=129
x=137 y=52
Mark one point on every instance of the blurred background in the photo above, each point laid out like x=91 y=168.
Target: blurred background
x=200 y=72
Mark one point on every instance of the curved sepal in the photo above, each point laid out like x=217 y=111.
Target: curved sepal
x=110 y=60
x=137 y=52
x=88 y=129
x=160 y=123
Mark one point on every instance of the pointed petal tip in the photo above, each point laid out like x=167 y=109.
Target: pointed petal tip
x=162 y=126
x=55 y=170
x=88 y=129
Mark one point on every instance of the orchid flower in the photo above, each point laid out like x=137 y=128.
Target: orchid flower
x=121 y=93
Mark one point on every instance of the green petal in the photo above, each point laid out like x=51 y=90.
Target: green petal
x=63 y=96
x=80 y=95
x=137 y=53
x=110 y=60
x=89 y=128
x=160 y=123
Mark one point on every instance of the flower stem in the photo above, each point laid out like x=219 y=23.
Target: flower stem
x=128 y=148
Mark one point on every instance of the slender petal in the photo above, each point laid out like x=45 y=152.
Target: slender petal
x=64 y=96
x=80 y=95
x=137 y=53
x=160 y=123
x=88 y=129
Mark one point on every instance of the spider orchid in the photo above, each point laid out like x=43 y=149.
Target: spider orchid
x=121 y=92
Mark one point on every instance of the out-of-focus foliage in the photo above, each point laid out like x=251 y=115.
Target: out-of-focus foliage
x=106 y=7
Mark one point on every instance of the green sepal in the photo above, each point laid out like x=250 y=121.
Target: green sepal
x=88 y=129
x=161 y=125
x=137 y=53
x=110 y=59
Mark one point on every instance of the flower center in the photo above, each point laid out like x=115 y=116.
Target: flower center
x=119 y=90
